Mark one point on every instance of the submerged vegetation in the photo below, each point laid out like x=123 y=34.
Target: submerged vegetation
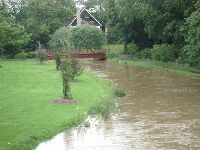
x=105 y=107
x=119 y=92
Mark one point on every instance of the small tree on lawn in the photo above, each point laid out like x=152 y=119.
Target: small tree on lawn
x=70 y=69
x=41 y=53
x=67 y=76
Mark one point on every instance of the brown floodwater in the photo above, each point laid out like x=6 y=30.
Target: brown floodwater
x=161 y=111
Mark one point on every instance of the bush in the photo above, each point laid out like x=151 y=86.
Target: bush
x=146 y=54
x=190 y=55
x=21 y=55
x=87 y=37
x=118 y=92
x=31 y=55
x=105 y=107
x=41 y=55
x=133 y=49
x=163 y=53
x=61 y=39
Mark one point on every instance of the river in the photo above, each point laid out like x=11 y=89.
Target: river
x=161 y=111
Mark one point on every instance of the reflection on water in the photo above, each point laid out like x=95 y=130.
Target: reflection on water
x=160 y=111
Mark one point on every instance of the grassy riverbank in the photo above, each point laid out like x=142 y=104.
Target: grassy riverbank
x=27 y=114
x=117 y=50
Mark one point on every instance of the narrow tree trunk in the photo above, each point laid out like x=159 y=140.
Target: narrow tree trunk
x=125 y=45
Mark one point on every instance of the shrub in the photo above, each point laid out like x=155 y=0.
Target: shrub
x=163 y=53
x=133 y=49
x=21 y=55
x=111 y=55
x=190 y=55
x=87 y=37
x=41 y=55
x=105 y=107
x=118 y=92
x=31 y=55
x=61 y=39
x=146 y=54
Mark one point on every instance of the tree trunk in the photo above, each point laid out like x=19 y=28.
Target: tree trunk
x=125 y=45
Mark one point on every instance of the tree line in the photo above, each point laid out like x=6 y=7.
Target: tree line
x=163 y=23
x=24 y=23
x=143 y=24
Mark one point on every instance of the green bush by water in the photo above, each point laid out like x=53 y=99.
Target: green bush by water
x=105 y=107
x=119 y=92
x=163 y=53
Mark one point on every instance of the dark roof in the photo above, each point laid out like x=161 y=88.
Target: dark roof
x=86 y=16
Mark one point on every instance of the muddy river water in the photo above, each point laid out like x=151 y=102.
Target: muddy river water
x=161 y=111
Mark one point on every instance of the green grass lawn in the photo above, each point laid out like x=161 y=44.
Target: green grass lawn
x=115 y=48
x=27 y=114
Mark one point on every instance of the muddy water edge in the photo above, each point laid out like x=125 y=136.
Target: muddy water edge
x=161 y=111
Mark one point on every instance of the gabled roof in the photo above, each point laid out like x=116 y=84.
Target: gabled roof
x=83 y=13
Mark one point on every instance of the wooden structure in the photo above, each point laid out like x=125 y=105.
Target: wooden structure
x=82 y=53
x=84 y=17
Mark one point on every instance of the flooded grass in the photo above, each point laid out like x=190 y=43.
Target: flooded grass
x=119 y=92
x=27 y=114
x=169 y=67
x=104 y=107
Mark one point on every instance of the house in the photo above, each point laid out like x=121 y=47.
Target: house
x=84 y=17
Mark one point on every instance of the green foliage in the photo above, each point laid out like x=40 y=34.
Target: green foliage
x=31 y=54
x=67 y=76
x=61 y=39
x=146 y=54
x=58 y=60
x=163 y=53
x=12 y=37
x=87 y=37
x=21 y=55
x=190 y=53
x=134 y=50
x=41 y=54
x=77 y=69
x=70 y=69
x=119 y=92
x=24 y=22
x=105 y=107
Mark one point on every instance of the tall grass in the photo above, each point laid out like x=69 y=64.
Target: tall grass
x=105 y=107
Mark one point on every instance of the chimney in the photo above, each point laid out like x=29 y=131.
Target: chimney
x=78 y=16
